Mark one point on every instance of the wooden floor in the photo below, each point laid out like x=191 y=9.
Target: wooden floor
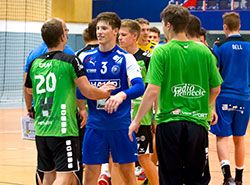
x=18 y=157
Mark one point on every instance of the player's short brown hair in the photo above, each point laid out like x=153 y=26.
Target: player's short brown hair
x=194 y=26
x=111 y=18
x=89 y=34
x=52 y=30
x=155 y=30
x=177 y=16
x=232 y=20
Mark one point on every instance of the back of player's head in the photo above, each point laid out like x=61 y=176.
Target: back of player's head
x=132 y=25
x=52 y=30
x=155 y=30
x=111 y=18
x=89 y=34
x=142 y=21
x=194 y=26
x=177 y=16
x=232 y=20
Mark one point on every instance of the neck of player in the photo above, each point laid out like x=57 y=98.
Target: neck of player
x=179 y=36
x=59 y=47
x=233 y=33
x=104 y=47
x=132 y=49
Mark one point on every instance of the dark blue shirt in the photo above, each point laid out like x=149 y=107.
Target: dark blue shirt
x=233 y=56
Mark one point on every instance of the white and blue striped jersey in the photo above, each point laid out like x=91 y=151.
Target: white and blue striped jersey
x=116 y=66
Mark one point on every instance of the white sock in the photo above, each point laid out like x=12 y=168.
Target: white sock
x=224 y=162
x=239 y=167
x=105 y=169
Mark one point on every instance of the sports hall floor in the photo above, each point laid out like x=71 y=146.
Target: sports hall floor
x=18 y=157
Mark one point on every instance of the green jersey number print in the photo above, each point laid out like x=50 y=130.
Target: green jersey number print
x=46 y=84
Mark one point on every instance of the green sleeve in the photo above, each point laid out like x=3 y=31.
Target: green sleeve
x=156 y=67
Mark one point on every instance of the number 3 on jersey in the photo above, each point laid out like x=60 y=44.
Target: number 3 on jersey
x=50 y=83
x=104 y=67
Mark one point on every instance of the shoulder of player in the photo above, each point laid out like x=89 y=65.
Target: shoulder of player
x=163 y=47
x=142 y=55
x=121 y=53
x=64 y=57
x=82 y=54
x=231 y=39
x=68 y=50
x=58 y=55
x=37 y=52
x=201 y=47
x=87 y=48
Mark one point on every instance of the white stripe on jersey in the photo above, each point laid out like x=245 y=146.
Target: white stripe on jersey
x=85 y=53
x=133 y=69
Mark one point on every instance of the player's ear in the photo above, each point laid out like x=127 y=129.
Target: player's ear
x=135 y=35
x=116 y=31
x=63 y=37
x=225 y=27
x=168 y=25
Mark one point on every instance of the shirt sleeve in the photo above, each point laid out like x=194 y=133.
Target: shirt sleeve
x=78 y=68
x=28 y=61
x=132 y=67
x=156 y=67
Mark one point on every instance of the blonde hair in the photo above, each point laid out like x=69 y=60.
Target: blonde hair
x=133 y=26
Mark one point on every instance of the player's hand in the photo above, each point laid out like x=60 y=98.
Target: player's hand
x=214 y=118
x=109 y=86
x=84 y=116
x=134 y=126
x=114 y=101
x=31 y=113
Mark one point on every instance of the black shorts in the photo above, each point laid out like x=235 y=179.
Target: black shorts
x=61 y=154
x=144 y=140
x=182 y=149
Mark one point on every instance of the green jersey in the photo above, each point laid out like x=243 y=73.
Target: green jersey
x=143 y=59
x=51 y=77
x=185 y=72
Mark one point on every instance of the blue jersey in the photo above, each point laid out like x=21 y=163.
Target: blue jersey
x=116 y=66
x=40 y=51
x=233 y=56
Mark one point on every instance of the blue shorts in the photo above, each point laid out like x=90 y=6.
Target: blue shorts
x=233 y=117
x=99 y=144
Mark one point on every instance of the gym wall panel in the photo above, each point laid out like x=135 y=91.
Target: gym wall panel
x=25 y=10
x=73 y=10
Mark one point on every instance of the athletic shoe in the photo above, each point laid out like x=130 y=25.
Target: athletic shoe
x=138 y=170
x=104 y=180
x=229 y=181
x=142 y=176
